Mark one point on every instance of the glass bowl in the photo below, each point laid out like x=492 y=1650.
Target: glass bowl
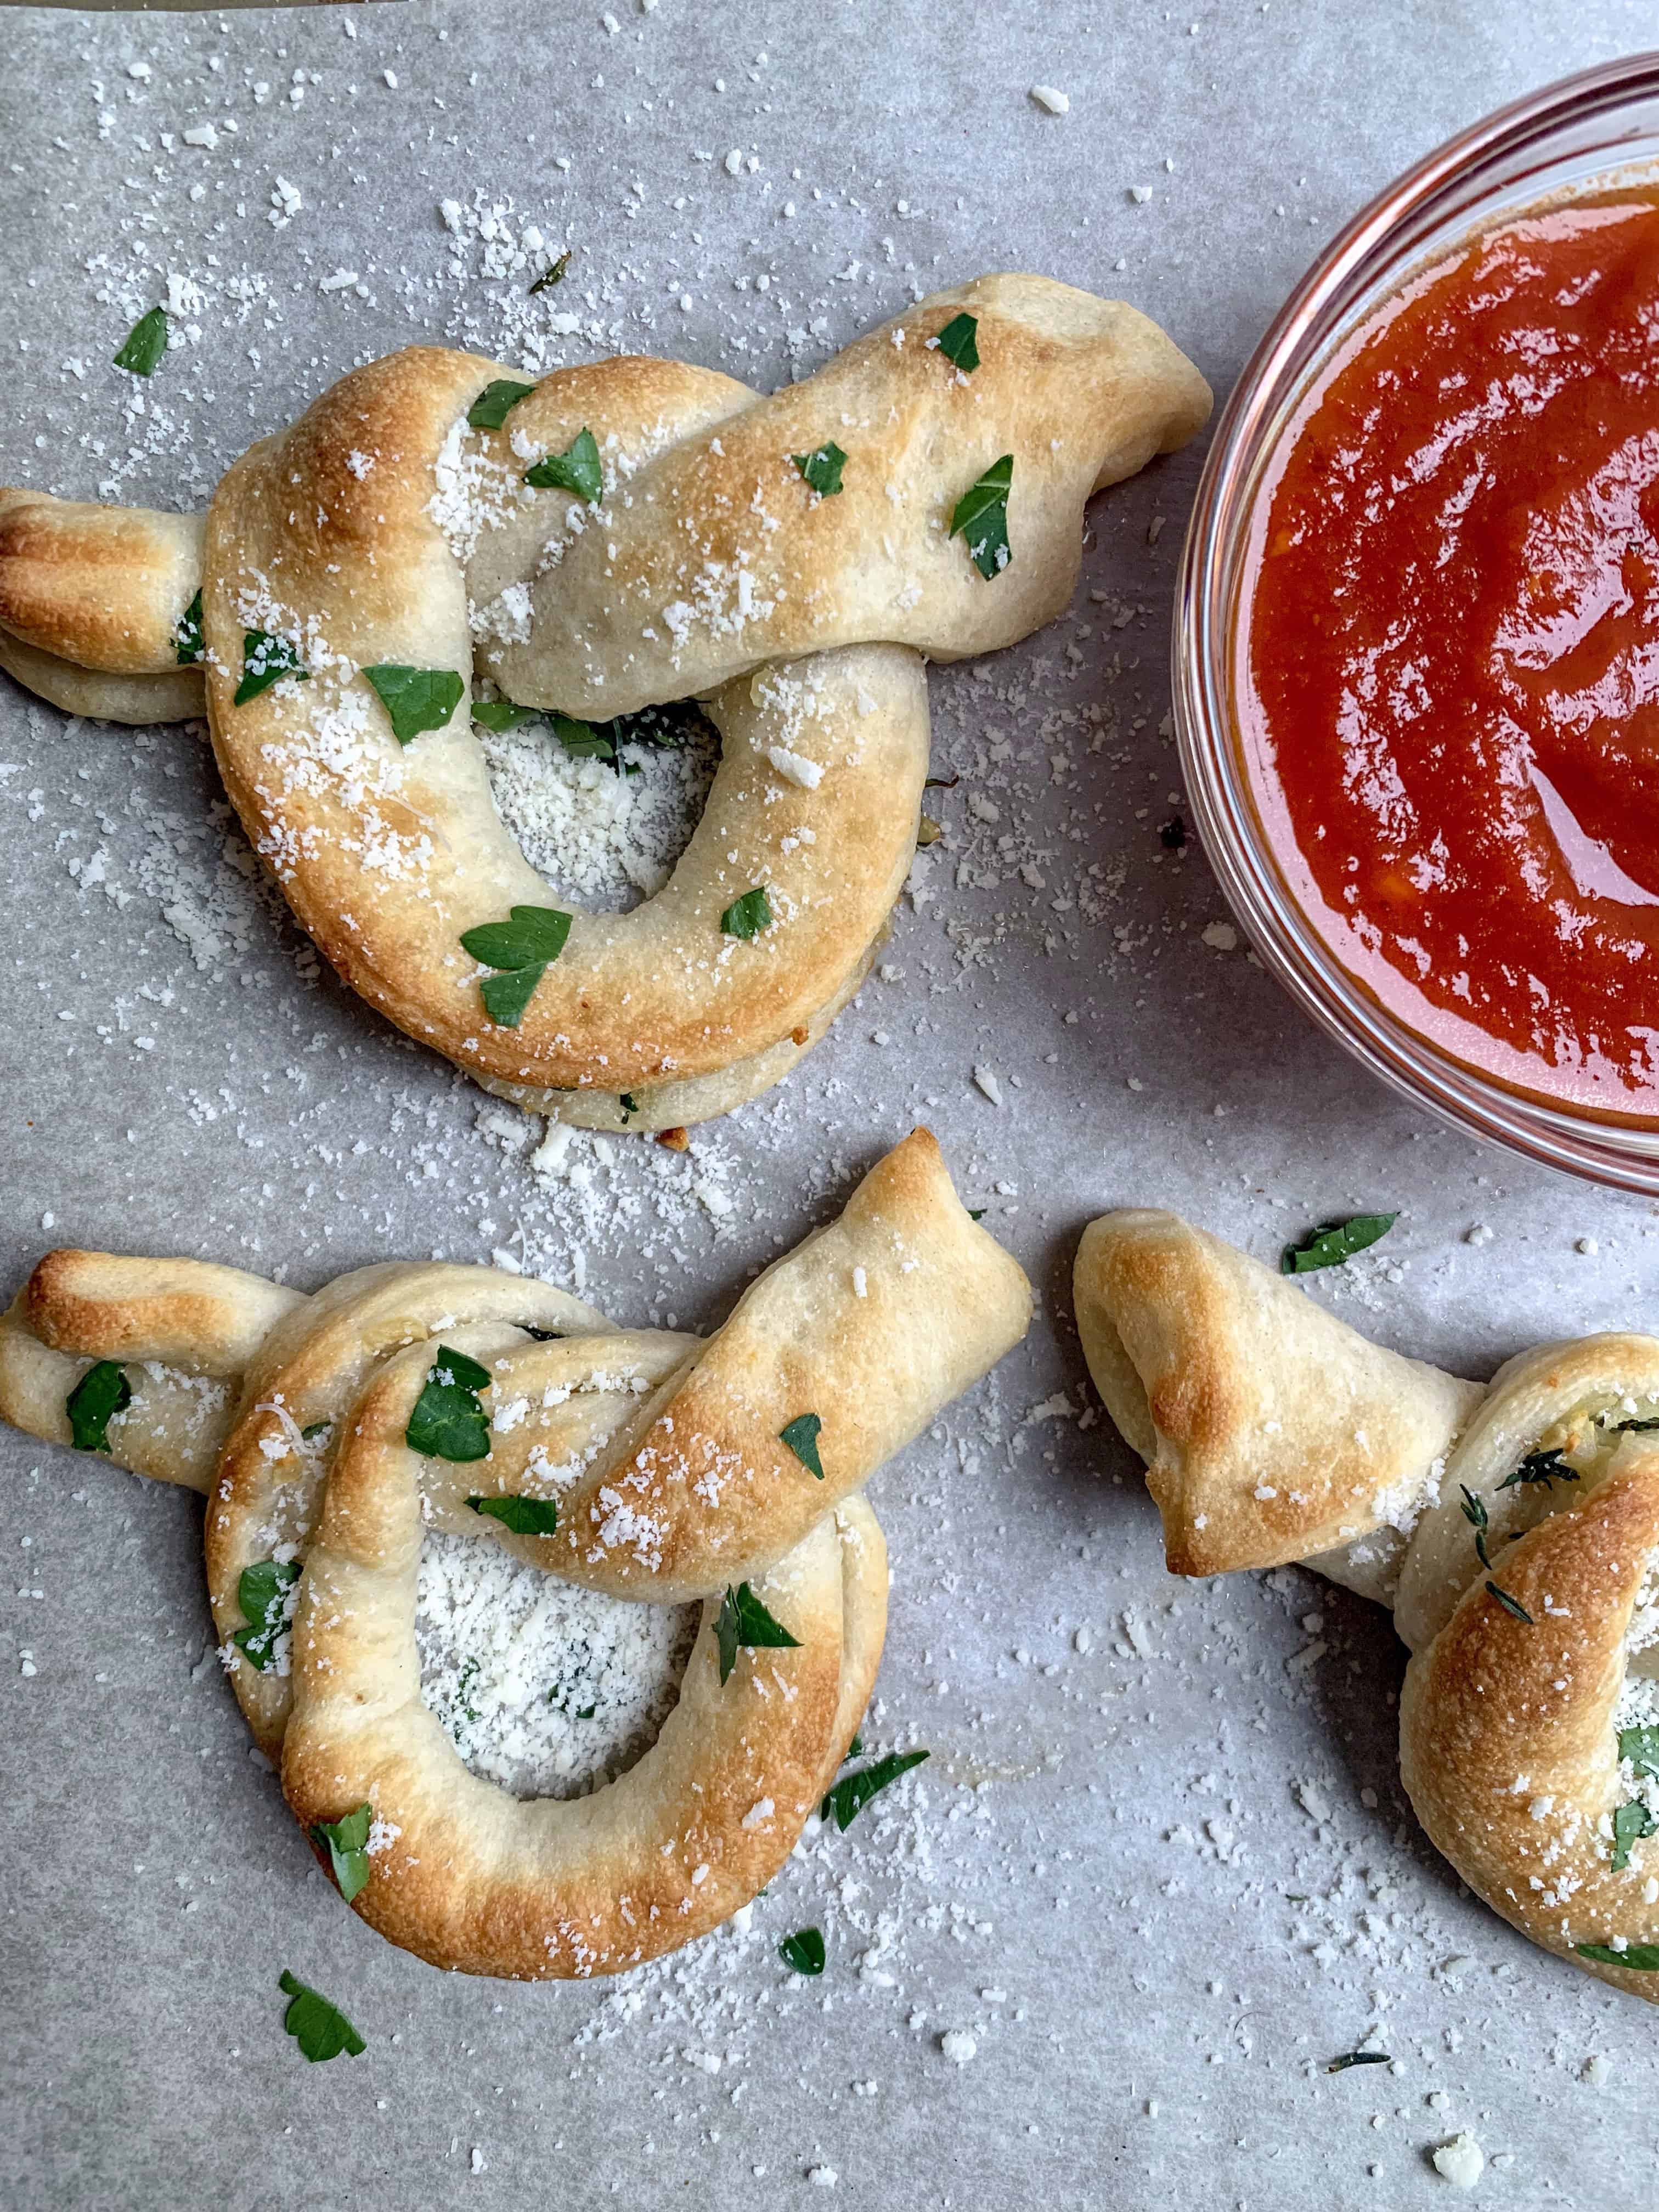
x=1587 y=132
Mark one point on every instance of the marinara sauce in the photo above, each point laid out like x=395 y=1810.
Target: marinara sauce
x=1448 y=660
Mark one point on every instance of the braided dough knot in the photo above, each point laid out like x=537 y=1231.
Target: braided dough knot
x=626 y=534
x=1514 y=1527
x=405 y=1401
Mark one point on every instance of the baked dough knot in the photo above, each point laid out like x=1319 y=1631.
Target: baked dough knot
x=617 y=537
x=1513 y=1527
x=331 y=1433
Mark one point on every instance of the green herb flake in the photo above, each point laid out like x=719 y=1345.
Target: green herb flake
x=500 y=714
x=507 y=997
x=188 y=648
x=415 y=699
x=822 y=468
x=495 y=402
x=102 y=1392
x=265 y=660
x=262 y=1592
x=977 y=1213
x=744 y=1622
x=586 y=1712
x=1631 y=1823
x=1640 y=1746
x=321 y=2030
x=582 y=740
x=346 y=1842
x=630 y=1104
x=552 y=274
x=524 y=1516
x=577 y=469
x=521 y=948
x=1544 y=1467
x=1335 y=1241
x=1474 y=1510
x=1359 y=2059
x=1627 y=1428
x=534 y=936
x=1639 y=1958
x=959 y=343
x=447 y=1421
x=803 y=1951
x=980 y=519
x=848 y=1798
x=748 y=915
x=313 y=1430
x=145 y=343
x=854 y=1750
x=1510 y=1604
x=801 y=1435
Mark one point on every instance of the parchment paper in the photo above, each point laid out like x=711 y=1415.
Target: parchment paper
x=1132 y=1779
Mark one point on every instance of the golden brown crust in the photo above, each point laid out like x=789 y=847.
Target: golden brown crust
x=368 y=534
x=1271 y=1430
x=722 y=556
x=476 y=1882
x=1555 y=1397
x=695 y=1488
x=182 y=1330
x=102 y=587
x=389 y=855
x=1507 y=1737
x=176 y=696
x=118 y=1306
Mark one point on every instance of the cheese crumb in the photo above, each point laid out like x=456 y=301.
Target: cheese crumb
x=1461 y=2161
x=1056 y=102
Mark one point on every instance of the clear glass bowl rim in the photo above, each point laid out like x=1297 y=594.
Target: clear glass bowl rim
x=1490 y=165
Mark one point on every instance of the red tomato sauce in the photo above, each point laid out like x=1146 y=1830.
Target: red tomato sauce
x=1447 y=671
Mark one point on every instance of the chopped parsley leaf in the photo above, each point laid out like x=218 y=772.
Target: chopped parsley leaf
x=1639 y=1958
x=1631 y=1823
x=524 y=1516
x=1335 y=1241
x=980 y=519
x=415 y=699
x=552 y=274
x=447 y=1421
x=822 y=468
x=803 y=1951
x=845 y=1799
x=748 y=915
x=346 y=1842
x=521 y=948
x=500 y=714
x=321 y=2030
x=744 y=1622
x=1359 y=2059
x=801 y=1435
x=496 y=401
x=1640 y=1746
x=265 y=660
x=188 y=648
x=262 y=1592
x=577 y=469
x=959 y=343
x=144 y=344
x=102 y=1392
